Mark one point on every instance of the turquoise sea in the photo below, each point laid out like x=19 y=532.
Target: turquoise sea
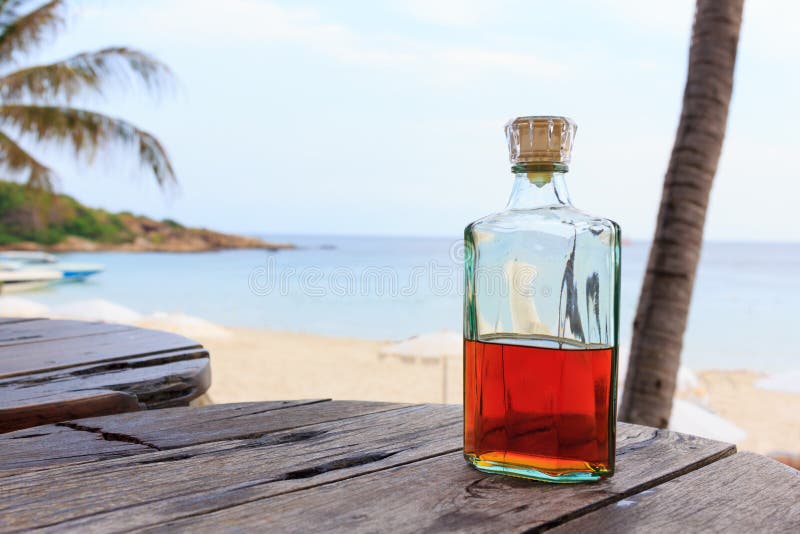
x=743 y=314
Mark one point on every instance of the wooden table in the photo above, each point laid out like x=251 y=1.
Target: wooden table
x=57 y=370
x=305 y=466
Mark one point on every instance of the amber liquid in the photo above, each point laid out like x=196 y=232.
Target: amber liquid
x=539 y=410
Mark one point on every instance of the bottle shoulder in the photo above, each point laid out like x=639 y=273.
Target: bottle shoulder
x=551 y=219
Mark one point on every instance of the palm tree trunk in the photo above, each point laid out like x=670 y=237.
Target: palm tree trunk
x=667 y=290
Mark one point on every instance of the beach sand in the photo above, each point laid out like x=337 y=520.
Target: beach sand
x=770 y=418
x=254 y=365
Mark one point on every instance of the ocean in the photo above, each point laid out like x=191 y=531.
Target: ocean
x=742 y=315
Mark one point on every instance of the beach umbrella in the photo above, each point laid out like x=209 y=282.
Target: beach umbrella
x=689 y=418
x=788 y=382
x=431 y=346
x=183 y=324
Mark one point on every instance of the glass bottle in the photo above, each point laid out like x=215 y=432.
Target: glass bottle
x=541 y=314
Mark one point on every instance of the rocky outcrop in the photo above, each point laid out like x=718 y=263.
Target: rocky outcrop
x=157 y=236
x=32 y=219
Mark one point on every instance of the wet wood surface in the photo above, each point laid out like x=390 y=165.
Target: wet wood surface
x=53 y=370
x=317 y=465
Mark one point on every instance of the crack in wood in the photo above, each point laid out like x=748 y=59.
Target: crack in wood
x=172 y=393
x=137 y=364
x=110 y=367
x=29 y=436
x=264 y=482
x=255 y=435
x=173 y=458
x=288 y=404
x=343 y=463
x=639 y=444
x=6 y=340
x=278 y=494
x=108 y=436
x=272 y=409
x=267 y=439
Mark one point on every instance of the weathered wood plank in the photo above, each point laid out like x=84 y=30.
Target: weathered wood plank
x=53 y=370
x=37 y=448
x=184 y=427
x=743 y=493
x=134 y=375
x=391 y=470
x=12 y=320
x=65 y=405
x=171 y=379
x=38 y=330
x=52 y=445
x=444 y=494
x=138 y=491
x=174 y=418
x=60 y=354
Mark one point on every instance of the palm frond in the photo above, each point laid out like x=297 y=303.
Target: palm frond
x=87 y=71
x=16 y=159
x=86 y=131
x=21 y=33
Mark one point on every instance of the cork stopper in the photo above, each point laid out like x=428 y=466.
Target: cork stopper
x=541 y=139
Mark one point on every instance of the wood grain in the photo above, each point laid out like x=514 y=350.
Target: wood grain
x=145 y=490
x=65 y=405
x=38 y=330
x=51 y=355
x=133 y=374
x=63 y=444
x=11 y=320
x=444 y=494
x=37 y=448
x=372 y=467
x=193 y=430
x=744 y=493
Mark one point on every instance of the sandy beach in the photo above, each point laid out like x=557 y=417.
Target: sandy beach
x=770 y=418
x=254 y=365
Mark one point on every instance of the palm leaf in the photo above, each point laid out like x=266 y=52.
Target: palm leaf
x=86 y=71
x=21 y=33
x=16 y=159
x=86 y=131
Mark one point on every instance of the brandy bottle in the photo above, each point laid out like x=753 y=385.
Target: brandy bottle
x=541 y=312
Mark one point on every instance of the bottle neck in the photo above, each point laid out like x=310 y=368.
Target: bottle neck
x=539 y=190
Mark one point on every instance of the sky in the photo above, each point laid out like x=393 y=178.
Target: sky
x=386 y=117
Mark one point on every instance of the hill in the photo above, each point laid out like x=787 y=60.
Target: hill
x=33 y=219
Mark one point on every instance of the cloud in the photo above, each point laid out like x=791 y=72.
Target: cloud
x=258 y=22
x=449 y=12
x=662 y=17
x=769 y=29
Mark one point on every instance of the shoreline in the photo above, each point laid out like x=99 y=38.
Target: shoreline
x=202 y=241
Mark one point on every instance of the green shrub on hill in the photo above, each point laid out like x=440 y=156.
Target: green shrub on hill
x=28 y=214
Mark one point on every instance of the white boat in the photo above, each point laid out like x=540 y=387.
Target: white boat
x=12 y=281
x=74 y=272
x=26 y=259
x=27 y=256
